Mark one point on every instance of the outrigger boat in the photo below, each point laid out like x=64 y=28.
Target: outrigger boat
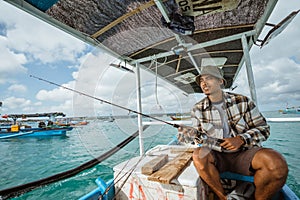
x=291 y=110
x=180 y=117
x=16 y=129
x=181 y=36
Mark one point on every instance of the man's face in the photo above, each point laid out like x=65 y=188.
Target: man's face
x=210 y=84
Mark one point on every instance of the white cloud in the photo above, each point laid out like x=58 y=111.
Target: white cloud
x=43 y=42
x=58 y=94
x=276 y=83
x=17 y=88
x=97 y=79
x=94 y=78
x=15 y=103
x=11 y=62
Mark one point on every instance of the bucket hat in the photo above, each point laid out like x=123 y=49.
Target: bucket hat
x=211 y=70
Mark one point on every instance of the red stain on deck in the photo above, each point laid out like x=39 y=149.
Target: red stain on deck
x=131 y=191
x=180 y=196
x=140 y=188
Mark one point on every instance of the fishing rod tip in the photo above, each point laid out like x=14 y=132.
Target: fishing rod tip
x=32 y=76
x=176 y=125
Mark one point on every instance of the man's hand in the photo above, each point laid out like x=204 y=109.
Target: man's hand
x=232 y=144
x=187 y=130
x=186 y=134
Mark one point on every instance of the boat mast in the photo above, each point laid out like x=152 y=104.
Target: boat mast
x=139 y=108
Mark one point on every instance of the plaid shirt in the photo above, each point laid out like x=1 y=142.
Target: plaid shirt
x=244 y=119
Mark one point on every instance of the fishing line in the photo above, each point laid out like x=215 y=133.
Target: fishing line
x=104 y=101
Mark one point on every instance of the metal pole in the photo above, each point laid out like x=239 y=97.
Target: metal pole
x=181 y=42
x=249 y=69
x=139 y=108
x=195 y=47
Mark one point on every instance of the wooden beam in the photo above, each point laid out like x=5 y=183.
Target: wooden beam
x=178 y=63
x=154 y=165
x=123 y=17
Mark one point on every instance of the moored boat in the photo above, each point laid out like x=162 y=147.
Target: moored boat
x=180 y=117
x=18 y=129
x=291 y=110
x=33 y=132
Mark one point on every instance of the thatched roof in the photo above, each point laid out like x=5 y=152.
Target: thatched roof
x=133 y=29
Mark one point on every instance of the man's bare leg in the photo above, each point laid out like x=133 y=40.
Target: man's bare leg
x=204 y=164
x=270 y=173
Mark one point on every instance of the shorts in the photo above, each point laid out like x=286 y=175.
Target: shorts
x=237 y=162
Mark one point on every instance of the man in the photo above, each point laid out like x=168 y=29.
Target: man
x=236 y=120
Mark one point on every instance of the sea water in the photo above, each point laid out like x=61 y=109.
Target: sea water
x=25 y=160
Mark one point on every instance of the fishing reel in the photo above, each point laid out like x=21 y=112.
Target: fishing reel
x=189 y=135
x=212 y=143
x=193 y=136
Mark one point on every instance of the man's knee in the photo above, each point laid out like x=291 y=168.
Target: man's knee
x=200 y=153
x=196 y=157
x=196 y=154
x=272 y=162
x=202 y=158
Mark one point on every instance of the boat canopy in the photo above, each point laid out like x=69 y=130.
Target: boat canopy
x=172 y=38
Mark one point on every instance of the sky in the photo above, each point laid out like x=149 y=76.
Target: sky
x=29 y=46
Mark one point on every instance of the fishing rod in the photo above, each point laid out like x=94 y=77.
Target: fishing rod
x=203 y=139
x=104 y=101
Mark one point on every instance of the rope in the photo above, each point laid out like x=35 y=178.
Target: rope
x=18 y=190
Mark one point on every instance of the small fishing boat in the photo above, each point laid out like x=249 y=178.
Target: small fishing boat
x=219 y=33
x=17 y=129
x=180 y=117
x=291 y=110
x=110 y=119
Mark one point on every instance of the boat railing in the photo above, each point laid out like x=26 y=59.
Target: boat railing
x=189 y=122
x=185 y=122
x=284 y=119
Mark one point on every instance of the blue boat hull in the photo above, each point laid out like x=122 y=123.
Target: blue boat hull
x=292 y=110
x=35 y=132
